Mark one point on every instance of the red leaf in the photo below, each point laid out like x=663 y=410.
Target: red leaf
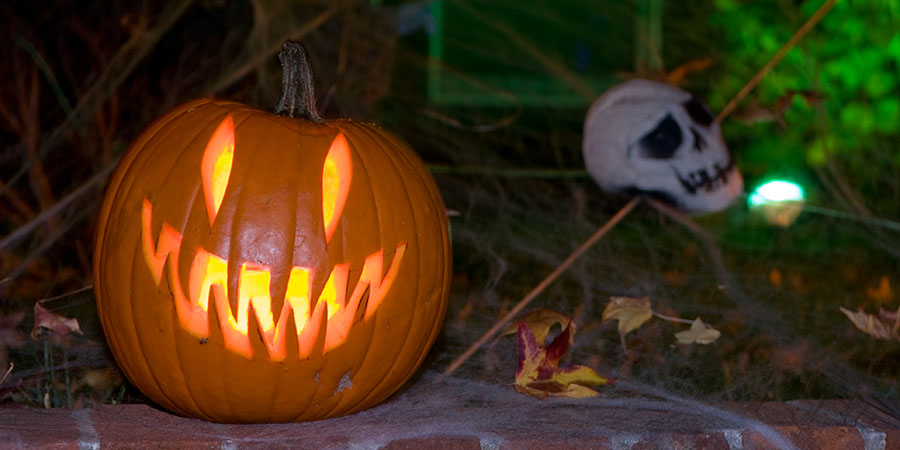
x=538 y=373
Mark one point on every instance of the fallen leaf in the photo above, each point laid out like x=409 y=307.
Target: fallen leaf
x=881 y=294
x=775 y=277
x=540 y=321
x=44 y=319
x=462 y=317
x=538 y=373
x=700 y=333
x=890 y=316
x=791 y=357
x=630 y=312
x=678 y=75
x=674 y=277
x=869 y=324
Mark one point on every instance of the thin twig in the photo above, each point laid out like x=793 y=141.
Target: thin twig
x=45 y=69
x=810 y=23
x=556 y=68
x=21 y=210
x=671 y=318
x=117 y=69
x=8 y=371
x=67 y=294
x=26 y=229
x=604 y=229
x=47 y=242
x=480 y=128
x=507 y=173
x=265 y=56
x=726 y=282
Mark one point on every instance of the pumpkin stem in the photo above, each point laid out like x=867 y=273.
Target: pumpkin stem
x=298 y=91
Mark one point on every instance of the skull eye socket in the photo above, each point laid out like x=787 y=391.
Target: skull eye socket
x=699 y=142
x=699 y=112
x=663 y=141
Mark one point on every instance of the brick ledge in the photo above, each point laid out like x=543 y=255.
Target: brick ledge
x=460 y=414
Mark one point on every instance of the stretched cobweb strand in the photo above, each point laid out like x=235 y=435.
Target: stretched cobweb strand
x=602 y=231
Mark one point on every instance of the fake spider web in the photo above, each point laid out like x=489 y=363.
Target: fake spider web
x=511 y=173
x=519 y=211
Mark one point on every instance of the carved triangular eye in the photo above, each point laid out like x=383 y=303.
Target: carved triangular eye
x=215 y=168
x=336 y=175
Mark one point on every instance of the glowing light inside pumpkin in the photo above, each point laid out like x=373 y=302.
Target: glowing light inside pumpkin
x=336 y=175
x=333 y=313
x=215 y=168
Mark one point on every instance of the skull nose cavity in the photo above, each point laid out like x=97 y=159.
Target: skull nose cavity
x=662 y=141
x=699 y=142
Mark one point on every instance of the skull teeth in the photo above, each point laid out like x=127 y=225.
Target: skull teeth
x=702 y=180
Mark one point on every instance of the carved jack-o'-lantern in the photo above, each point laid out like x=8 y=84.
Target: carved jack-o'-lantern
x=254 y=268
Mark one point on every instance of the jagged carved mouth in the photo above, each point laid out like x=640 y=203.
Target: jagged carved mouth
x=322 y=321
x=706 y=179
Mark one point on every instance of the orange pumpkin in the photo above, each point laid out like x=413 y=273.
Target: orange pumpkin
x=252 y=267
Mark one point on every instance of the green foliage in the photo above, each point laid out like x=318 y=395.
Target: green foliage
x=851 y=61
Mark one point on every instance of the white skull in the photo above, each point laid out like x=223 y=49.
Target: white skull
x=652 y=137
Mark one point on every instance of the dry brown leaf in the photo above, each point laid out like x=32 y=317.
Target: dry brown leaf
x=538 y=373
x=775 y=277
x=791 y=357
x=678 y=75
x=700 y=333
x=881 y=294
x=540 y=321
x=630 y=312
x=44 y=319
x=869 y=324
x=890 y=316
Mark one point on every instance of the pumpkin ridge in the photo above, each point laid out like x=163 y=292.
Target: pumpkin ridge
x=345 y=402
x=425 y=179
x=180 y=356
x=284 y=376
x=137 y=265
x=137 y=165
x=191 y=203
x=410 y=161
x=376 y=142
x=400 y=160
x=378 y=211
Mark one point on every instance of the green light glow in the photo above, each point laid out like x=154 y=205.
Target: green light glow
x=776 y=191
